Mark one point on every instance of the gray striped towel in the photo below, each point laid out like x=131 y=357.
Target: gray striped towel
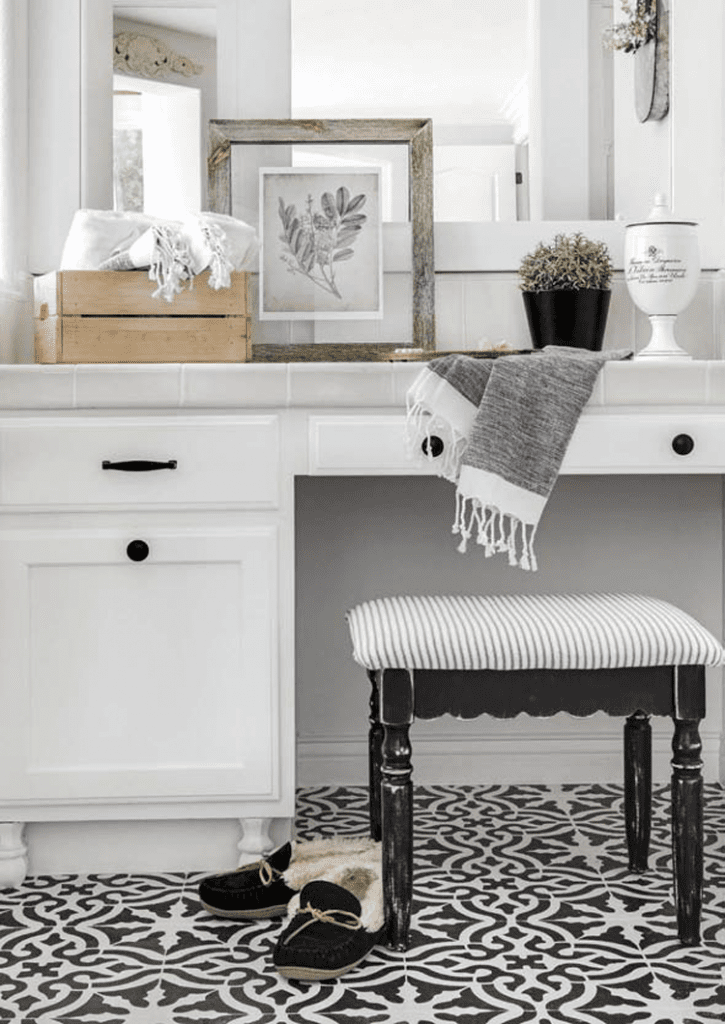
x=505 y=424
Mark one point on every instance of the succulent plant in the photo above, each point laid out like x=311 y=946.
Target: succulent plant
x=571 y=262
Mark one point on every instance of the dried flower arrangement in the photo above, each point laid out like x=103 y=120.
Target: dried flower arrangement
x=638 y=29
x=572 y=262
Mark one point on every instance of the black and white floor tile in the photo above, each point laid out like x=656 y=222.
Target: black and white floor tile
x=524 y=912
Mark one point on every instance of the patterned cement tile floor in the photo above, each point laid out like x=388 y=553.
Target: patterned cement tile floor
x=524 y=912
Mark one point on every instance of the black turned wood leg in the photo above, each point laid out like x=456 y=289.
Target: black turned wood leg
x=687 y=828
x=397 y=800
x=638 y=788
x=375 y=753
x=396 y=703
x=687 y=810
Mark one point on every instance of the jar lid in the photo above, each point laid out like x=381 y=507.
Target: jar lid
x=661 y=214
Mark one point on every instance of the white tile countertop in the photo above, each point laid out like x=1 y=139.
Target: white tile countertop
x=310 y=385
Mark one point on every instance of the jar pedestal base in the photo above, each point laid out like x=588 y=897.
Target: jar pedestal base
x=662 y=343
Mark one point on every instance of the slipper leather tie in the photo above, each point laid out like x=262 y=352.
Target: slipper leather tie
x=326 y=935
x=341 y=918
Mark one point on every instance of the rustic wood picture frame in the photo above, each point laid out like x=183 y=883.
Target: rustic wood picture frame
x=417 y=135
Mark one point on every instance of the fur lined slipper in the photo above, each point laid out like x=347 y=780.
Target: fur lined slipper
x=265 y=887
x=333 y=924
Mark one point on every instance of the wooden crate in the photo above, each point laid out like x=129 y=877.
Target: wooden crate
x=96 y=316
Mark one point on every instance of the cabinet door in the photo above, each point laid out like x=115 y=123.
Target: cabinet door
x=131 y=680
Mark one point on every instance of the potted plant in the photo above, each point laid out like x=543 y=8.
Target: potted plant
x=566 y=290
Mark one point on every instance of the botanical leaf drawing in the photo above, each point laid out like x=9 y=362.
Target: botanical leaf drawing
x=316 y=240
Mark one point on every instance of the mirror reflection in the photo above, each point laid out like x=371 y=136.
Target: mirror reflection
x=498 y=90
x=164 y=94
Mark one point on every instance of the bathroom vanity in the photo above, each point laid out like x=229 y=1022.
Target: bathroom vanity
x=147 y=566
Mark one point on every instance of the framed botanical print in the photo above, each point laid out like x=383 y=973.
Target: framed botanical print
x=321 y=244
x=344 y=210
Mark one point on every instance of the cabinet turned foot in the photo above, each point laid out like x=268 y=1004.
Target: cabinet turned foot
x=255 y=840
x=13 y=854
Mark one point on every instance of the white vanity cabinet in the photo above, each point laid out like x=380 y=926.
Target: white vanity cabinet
x=139 y=622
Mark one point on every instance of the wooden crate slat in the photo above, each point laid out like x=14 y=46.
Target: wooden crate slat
x=145 y=339
x=86 y=316
x=130 y=293
x=48 y=340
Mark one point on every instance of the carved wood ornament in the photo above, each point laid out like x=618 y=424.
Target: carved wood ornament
x=147 y=57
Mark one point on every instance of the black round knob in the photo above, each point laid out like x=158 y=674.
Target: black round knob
x=434 y=445
x=137 y=550
x=682 y=444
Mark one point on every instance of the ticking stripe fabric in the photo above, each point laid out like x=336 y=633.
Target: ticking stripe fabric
x=526 y=631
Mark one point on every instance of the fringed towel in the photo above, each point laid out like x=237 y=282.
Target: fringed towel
x=173 y=251
x=505 y=424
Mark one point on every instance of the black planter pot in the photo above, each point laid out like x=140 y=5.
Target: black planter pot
x=576 y=318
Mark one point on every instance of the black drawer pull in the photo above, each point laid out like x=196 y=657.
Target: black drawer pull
x=682 y=444
x=138 y=465
x=137 y=550
x=432 y=446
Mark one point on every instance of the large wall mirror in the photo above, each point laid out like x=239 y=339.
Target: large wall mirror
x=502 y=151
x=681 y=155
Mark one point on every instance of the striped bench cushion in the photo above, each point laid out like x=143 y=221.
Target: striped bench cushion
x=525 y=631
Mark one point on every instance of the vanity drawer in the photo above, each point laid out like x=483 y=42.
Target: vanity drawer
x=362 y=445
x=640 y=442
x=202 y=462
x=636 y=442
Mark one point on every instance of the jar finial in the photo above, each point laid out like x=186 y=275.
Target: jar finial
x=661 y=209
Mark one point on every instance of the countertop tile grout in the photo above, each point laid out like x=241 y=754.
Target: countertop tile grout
x=361 y=385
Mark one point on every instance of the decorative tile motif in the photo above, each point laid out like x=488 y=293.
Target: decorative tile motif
x=524 y=912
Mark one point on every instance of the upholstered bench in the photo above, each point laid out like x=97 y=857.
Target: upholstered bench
x=624 y=654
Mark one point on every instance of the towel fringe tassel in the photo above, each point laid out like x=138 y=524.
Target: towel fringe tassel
x=487 y=523
x=171 y=262
x=471 y=517
x=219 y=263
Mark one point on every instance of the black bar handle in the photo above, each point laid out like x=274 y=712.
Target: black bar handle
x=138 y=465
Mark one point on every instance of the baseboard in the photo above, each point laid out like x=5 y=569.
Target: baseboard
x=101 y=847
x=528 y=758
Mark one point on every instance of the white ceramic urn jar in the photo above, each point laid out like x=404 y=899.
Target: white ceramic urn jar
x=662 y=271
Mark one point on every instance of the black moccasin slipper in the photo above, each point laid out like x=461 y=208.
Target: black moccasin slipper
x=253 y=890
x=265 y=887
x=326 y=936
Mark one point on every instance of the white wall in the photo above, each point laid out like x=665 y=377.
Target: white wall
x=559 y=110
